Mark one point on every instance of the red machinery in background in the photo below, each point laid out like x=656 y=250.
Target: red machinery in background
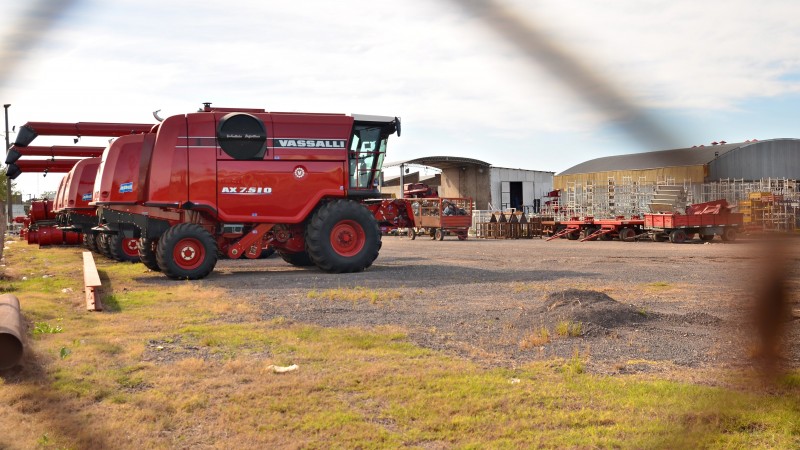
x=704 y=219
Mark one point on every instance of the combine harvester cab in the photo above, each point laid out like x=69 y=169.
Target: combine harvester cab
x=237 y=181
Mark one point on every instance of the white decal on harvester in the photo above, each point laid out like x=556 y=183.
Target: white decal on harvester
x=309 y=143
x=246 y=190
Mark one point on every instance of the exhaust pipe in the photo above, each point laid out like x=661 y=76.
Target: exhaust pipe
x=10 y=332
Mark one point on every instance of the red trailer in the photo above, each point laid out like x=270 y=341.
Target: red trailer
x=439 y=217
x=704 y=219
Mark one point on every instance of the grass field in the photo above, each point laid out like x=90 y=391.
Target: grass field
x=184 y=365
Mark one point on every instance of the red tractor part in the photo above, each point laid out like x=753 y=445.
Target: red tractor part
x=41 y=210
x=39 y=165
x=28 y=132
x=392 y=214
x=14 y=152
x=243 y=180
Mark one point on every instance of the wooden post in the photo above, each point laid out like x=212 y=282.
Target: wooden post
x=91 y=282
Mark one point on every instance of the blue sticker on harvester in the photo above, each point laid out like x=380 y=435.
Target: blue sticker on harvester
x=126 y=187
x=87 y=197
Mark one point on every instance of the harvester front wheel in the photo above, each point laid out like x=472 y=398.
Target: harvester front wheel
x=300 y=259
x=186 y=252
x=147 y=253
x=343 y=236
x=122 y=248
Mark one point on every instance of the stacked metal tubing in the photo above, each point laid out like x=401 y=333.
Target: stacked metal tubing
x=10 y=332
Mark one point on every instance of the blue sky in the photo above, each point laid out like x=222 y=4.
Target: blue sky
x=715 y=71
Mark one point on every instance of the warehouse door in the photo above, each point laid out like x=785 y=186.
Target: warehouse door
x=515 y=195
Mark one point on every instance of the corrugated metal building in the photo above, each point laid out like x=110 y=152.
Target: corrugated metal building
x=490 y=187
x=752 y=160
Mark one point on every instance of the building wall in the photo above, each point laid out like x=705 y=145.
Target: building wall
x=535 y=184
x=778 y=158
x=694 y=174
x=468 y=181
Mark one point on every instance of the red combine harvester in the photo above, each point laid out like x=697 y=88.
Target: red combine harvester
x=240 y=180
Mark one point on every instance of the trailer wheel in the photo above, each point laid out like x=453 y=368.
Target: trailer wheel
x=627 y=234
x=343 y=236
x=729 y=234
x=439 y=234
x=146 y=248
x=586 y=232
x=411 y=234
x=706 y=237
x=186 y=252
x=573 y=236
x=122 y=249
x=605 y=237
x=677 y=236
x=300 y=259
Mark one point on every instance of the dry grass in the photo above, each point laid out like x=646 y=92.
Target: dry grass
x=355 y=294
x=183 y=365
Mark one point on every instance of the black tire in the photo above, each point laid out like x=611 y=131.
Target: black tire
x=186 y=252
x=116 y=243
x=574 y=235
x=627 y=235
x=439 y=234
x=300 y=259
x=586 y=232
x=411 y=234
x=102 y=245
x=147 y=253
x=343 y=236
x=267 y=252
x=677 y=236
x=90 y=241
x=729 y=234
x=706 y=237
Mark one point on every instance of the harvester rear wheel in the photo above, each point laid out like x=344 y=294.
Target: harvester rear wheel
x=343 y=236
x=186 y=251
x=122 y=248
x=300 y=259
x=147 y=253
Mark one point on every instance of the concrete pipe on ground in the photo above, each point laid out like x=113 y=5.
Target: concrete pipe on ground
x=10 y=331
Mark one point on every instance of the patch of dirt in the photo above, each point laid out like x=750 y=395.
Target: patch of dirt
x=485 y=299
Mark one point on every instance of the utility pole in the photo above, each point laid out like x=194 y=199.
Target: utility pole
x=8 y=180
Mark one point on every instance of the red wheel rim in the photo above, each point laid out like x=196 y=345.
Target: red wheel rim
x=130 y=247
x=189 y=253
x=347 y=238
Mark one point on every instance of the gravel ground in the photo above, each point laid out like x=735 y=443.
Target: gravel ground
x=642 y=307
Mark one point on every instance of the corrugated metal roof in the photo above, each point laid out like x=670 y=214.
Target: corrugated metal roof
x=441 y=162
x=652 y=160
